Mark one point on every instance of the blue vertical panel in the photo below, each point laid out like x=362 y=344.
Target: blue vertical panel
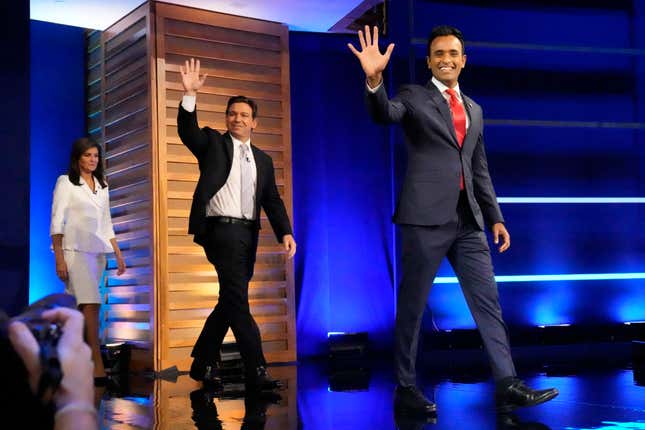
x=57 y=119
x=342 y=197
x=14 y=163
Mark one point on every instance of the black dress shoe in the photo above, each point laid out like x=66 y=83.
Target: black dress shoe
x=260 y=380
x=513 y=394
x=411 y=401
x=204 y=373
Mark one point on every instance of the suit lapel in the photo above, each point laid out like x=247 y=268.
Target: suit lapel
x=94 y=198
x=442 y=105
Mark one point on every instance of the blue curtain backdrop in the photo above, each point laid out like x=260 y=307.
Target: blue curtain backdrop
x=342 y=173
x=57 y=119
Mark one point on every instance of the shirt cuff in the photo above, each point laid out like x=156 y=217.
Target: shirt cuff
x=370 y=89
x=188 y=103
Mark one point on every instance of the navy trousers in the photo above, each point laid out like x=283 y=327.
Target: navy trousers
x=465 y=245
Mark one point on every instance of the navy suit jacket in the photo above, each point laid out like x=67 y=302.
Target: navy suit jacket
x=431 y=187
x=214 y=153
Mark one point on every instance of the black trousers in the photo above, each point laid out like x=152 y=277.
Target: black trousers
x=231 y=248
x=465 y=245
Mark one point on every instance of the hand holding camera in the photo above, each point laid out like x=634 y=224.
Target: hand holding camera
x=60 y=342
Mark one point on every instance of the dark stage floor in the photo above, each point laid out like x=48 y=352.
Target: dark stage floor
x=590 y=399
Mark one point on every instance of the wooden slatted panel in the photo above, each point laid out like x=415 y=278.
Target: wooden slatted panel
x=119 y=116
x=241 y=56
x=93 y=106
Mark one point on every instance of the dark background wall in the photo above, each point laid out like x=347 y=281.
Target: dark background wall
x=14 y=164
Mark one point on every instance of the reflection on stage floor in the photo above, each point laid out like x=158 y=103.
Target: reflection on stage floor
x=313 y=399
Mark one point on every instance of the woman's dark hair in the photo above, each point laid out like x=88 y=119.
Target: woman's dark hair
x=78 y=149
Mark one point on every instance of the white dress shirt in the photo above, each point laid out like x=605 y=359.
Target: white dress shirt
x=82 y=216
x=228 y=200
x=442 y=89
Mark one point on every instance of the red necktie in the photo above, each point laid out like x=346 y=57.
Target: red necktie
x=459 y=122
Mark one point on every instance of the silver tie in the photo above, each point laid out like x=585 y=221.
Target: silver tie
x=246 y=182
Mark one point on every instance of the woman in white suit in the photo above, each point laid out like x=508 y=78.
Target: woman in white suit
x=82 y=235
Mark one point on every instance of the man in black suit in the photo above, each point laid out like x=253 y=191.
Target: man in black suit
x=236 y=179
x=446 y=201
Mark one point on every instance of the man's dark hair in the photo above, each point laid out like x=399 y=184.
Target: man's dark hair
x=243 y=99
x=446 y=30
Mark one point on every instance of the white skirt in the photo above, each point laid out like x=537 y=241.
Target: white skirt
x=84 y=270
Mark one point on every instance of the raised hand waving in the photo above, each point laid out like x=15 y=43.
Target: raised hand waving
x=372 y=61
x=190 y=77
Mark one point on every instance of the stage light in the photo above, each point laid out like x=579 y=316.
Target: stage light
x=231 y=368
x=116 y=357
x=348 y=370
x=347 y=345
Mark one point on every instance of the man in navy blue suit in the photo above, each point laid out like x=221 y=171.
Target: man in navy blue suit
x=446 y=202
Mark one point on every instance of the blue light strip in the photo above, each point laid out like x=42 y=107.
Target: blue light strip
x=574 y=200
x=555 y=325
x=552 y=278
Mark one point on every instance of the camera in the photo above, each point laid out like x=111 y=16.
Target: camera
x=16 y=392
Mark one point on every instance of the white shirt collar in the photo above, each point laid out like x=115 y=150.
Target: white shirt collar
x=238 y=142
x=443 y=87
x=97 y=184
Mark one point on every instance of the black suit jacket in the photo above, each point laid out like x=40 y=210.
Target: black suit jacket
x=214 y=153
x=431 y=187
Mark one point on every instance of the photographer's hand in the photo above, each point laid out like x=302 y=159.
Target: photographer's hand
x=75 y=395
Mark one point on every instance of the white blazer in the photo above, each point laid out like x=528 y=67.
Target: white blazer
x=82 y=217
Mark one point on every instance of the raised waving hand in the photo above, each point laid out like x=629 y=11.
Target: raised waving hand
x=190 y=77
x=372 y=61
